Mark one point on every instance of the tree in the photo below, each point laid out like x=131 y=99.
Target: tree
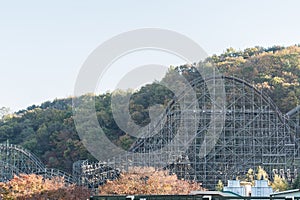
x=296 y=183
x=148 y=181
x=34 y=186
x=261 y=174
x=4 y=111
x=279 y=184
x=250 y=176
x=220 y=186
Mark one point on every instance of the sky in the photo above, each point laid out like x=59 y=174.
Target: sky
x=43 y=44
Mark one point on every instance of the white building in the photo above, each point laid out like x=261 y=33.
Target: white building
x=235 y=187
x=260 y=188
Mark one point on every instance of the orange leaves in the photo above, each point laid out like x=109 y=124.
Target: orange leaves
x=148 y=181
x=36 y=187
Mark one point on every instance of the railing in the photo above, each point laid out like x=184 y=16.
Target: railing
x=187 y=197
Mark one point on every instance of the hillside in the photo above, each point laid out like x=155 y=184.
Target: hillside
x=48 y=129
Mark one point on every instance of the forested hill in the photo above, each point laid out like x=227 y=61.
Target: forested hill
x=48 y=129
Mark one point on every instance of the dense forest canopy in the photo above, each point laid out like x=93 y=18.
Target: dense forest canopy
x=48 y=130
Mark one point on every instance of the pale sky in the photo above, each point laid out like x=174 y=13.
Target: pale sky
x=44 y=43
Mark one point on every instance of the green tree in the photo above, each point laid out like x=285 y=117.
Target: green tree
x=296 y=183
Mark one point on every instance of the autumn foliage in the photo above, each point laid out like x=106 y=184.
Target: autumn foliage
x=148 y=181
x=36 y=187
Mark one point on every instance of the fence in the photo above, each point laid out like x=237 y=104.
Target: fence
x=187 y=197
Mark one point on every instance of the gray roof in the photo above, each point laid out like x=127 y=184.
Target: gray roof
x=216 y=193
x=285 y=192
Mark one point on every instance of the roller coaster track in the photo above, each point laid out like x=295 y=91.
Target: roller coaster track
x=282 y=118
x=255 y=133
x=16 y=160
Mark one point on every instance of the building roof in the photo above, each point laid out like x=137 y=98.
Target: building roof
x=216 y=193
x=285 y=192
